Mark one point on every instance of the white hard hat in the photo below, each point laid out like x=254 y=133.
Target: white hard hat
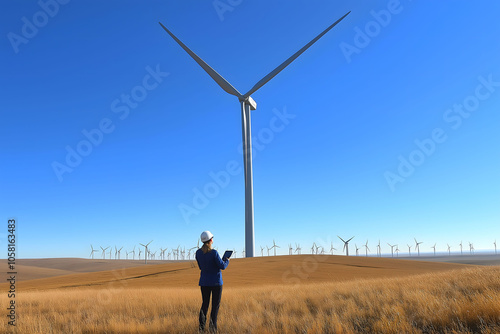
x=206 y=236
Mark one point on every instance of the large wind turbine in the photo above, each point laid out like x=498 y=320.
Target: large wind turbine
x=247 y=105
x=346 y=245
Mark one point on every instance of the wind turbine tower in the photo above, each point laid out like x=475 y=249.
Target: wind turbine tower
x=247 y=105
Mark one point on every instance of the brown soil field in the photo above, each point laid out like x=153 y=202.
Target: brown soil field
x=240 y=273
x=40 y=268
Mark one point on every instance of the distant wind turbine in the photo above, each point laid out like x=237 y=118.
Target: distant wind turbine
x=332 y=248
x=367 y=249
x=104 y=252
x=495 y=243
x=261 y=251
x=92 y=251
x=290 y=249
x=274 y=246
x=346 y=245
x=397 y=250
x=417 y=246
x=409 y=250
x=449 y=249
x=461 y=252
x=357 y=249
x=119 y=252
x=146 y=251
x=434 y=249
x=247 y=105
x=297 y=248
x=379 y=249
x=392 y=248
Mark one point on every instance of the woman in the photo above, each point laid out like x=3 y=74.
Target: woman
x=210 y=264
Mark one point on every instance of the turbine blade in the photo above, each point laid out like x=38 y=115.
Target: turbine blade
x=341 y=239
x=223 y=83
x=287 y=62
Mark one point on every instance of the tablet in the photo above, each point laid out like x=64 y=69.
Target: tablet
x=227 y=254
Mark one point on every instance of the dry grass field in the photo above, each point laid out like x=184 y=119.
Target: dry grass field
x=288 y=294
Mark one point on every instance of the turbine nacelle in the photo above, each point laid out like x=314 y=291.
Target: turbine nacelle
x=251 y=102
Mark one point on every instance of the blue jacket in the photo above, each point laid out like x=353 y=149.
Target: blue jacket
x=210 y=265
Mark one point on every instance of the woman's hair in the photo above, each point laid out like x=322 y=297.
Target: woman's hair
x=207 y=247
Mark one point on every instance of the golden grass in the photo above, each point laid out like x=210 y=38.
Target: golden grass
x=457 y=301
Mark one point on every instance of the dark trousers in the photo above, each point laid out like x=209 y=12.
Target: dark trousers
x=216 y=292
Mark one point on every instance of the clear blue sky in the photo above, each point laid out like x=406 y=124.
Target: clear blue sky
x=387 y=128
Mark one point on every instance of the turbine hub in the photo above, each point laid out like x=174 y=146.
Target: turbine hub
x=251 y=102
